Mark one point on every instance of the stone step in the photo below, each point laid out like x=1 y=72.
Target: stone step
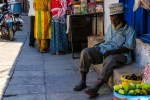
x=116 y=77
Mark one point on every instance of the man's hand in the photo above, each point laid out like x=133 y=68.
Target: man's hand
x=107 y=53
x=117 y=51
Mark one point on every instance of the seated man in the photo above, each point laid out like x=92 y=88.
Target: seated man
x=116 y=50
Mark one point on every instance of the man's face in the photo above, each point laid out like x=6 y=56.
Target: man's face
x=115 y=20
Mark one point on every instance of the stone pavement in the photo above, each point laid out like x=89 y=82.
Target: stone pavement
x=26 y=74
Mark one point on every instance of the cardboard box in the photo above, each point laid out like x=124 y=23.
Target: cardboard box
x=93 y=40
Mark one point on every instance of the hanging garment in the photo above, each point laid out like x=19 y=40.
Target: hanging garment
x=141 y=3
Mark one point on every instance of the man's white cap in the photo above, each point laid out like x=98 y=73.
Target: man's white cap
x=116 y=8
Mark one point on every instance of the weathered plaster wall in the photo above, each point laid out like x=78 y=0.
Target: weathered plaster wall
x=141 y=52
x=106 y=19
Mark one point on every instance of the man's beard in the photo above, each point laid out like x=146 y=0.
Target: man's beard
x=118 y=26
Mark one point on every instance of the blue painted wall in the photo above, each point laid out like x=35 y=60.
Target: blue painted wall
x=139 y=20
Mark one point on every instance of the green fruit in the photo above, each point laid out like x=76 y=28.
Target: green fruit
x=146 y=86
x=132 y=92
x=132 y=86
x=144 y=92
x=121 y=91
x=125 y=86
x=137 y=91
x=116 y=87
x=120 y=86
x=138 y=86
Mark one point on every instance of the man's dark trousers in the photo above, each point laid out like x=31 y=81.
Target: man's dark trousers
x=32 y=39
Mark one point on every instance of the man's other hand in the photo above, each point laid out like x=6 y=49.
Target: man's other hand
x=117 y=51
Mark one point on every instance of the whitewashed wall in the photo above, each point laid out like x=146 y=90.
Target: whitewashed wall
x=141 y=52
x=106 y=10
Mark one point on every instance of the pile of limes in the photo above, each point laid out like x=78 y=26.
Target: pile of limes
x=126 y=88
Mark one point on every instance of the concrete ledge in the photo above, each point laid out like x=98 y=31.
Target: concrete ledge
x=116 y=77
x=130 y=68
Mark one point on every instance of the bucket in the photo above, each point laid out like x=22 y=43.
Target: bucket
x=123 y=79
x=118 y=96
x=15 y=8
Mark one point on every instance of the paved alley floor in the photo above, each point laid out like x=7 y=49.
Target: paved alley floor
x=26 y=74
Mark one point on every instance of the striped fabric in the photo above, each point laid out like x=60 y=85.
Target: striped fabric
x=42 y=25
